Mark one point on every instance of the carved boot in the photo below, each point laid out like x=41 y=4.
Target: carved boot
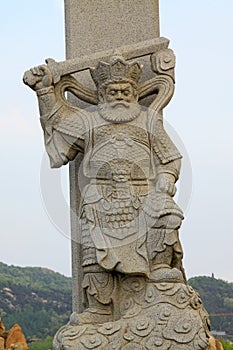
x=95 y=313
x=164 y=273
x=163 y=268
x=165 y=254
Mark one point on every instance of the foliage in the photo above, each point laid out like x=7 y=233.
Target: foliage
x=34 y=277
x=45 y=344
x=38 y=299
x=217 y=297
x=227 y=345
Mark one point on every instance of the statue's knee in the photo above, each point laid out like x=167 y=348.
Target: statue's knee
x=169 y=222
x=174 y=221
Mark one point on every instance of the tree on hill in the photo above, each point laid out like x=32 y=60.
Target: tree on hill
x=217 y=297
x=45 y=344
x=36 y=298
x=40 y=300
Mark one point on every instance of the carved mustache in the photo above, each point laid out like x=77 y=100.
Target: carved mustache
x=119 y=104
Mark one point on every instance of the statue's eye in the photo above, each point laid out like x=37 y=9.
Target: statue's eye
x=126 y=92
x=112 y=92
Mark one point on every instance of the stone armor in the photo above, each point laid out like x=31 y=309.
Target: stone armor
x=135 y=291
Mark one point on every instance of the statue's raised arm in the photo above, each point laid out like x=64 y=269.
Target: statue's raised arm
x=40 y=79
x=62 y=122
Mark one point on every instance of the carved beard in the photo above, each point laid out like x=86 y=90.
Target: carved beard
x=119 y=112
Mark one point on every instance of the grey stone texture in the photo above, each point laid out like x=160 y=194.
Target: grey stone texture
x=129 y=285
x=93 y=26
x=154 y=316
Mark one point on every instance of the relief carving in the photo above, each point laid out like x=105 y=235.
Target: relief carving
x=134 y=288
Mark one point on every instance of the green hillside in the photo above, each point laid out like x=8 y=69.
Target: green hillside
x=40 y=300
x=217 y=297
x=36 y=298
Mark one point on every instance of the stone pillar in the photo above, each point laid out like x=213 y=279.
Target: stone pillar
x=93 y=26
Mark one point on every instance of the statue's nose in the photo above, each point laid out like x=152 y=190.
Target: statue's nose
x=119 y=95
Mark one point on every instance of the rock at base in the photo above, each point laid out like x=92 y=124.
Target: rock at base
x=153 y=316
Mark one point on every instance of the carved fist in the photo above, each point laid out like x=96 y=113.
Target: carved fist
x=38 y=77
x=165 y=184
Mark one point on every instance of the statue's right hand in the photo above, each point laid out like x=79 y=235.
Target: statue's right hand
x=38 y=77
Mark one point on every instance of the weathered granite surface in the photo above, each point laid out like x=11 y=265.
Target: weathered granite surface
x=126 y=248
x=153 y=316
x=131 y=253
x=119 y=22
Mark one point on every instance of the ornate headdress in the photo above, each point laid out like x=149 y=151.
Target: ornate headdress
x=117 y=69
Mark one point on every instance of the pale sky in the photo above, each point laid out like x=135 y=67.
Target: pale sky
x=35 y=224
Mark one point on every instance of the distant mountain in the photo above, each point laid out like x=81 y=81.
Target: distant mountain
x=217 y=297
x=39 y=300
x=36 y=298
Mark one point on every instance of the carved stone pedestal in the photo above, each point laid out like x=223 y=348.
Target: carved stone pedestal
x=153 y=315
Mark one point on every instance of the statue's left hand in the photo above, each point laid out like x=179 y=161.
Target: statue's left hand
x=38 y=77
x=165 y=184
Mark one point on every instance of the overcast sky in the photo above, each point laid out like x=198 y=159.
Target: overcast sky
x=35 y=224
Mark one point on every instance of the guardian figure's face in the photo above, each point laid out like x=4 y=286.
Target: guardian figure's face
x=120 y=92
x=119 y=102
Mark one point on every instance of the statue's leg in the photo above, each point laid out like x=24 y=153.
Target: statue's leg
x=98 y=288
x=177 y=257
x=98 y=284
x=165 y=255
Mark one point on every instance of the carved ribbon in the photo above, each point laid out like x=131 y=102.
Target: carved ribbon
x=161 y=85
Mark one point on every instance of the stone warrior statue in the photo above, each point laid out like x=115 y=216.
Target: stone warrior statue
x=128 y=218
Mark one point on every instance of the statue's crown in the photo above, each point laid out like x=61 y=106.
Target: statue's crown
x=117 y=69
